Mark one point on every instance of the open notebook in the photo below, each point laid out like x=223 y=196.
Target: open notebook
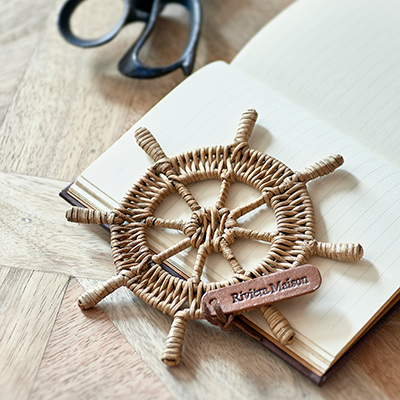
x=324 y=77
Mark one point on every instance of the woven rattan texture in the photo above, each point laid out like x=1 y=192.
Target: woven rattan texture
x=210 y=229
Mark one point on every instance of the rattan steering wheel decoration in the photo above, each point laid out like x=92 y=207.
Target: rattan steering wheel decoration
x=211 y=229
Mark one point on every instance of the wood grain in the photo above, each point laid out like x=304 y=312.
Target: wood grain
x=89 y=341
x=223 y=365
x=21 y=24
x=67 y=97
x=73 y=104
x=36 y=236
x=380 y=360
x=29 y=303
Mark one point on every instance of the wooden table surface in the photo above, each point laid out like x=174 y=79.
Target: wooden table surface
x=60 y=108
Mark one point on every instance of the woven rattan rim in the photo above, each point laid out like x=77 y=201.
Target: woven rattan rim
x=211 y=229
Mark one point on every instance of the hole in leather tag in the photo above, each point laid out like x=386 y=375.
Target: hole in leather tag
x=261 y=291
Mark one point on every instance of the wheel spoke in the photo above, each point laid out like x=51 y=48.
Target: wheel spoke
x=230 y=257
x=246 y=125
x=182 y=189
x=320 y=168
x=165 y=223
x=279 y=325
x=347 y=252
x=199 y=264
x=150 y=145
x=246 y=208
x=171 y=251
x=245 y=233
x=223 y=193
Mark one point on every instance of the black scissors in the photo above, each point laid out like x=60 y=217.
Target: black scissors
x=138 y=10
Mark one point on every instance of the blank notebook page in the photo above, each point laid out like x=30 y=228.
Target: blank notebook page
x=339 y=60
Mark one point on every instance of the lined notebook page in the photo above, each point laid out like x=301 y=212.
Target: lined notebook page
x=358 y=202
x=339 y=60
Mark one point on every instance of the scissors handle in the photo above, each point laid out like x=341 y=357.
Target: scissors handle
x=131 y=66
x=138 y=10
x=130 y=13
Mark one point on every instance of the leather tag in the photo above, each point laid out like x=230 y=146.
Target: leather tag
x=261 y=291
